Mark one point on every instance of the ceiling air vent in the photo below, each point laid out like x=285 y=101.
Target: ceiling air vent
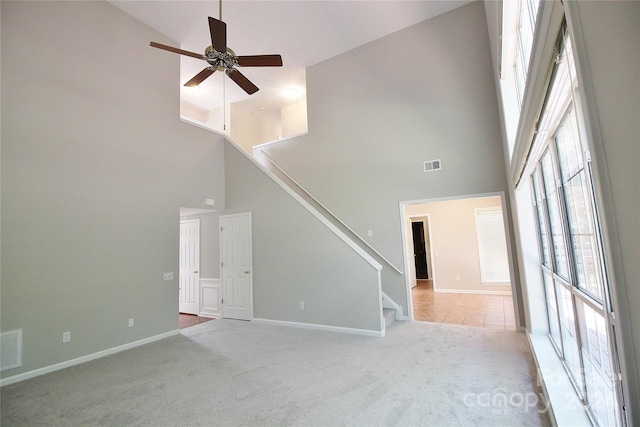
x=432 y=165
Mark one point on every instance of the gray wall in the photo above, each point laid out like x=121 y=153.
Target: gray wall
x=378 y=112
x=297 y=258
x=95 y=165
x=611 y=80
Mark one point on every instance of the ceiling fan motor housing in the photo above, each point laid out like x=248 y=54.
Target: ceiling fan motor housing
x=221 y=61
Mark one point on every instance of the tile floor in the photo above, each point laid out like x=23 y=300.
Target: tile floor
x=186 y=320
x=490 y=311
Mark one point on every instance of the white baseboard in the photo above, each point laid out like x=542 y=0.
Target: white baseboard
x=209 y=315
x=352 y=331
x=472 y=291
x=93 y=356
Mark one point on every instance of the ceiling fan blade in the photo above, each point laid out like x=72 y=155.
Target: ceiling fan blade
x=176 y=50
x=243 y=82
x=260 y=61
x=218 y=30
x=200 y=77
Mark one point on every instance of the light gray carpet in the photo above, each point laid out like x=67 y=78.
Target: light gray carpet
x=234 y=373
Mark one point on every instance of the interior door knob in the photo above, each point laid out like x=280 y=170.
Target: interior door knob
x=246 y=272
x=195 y=272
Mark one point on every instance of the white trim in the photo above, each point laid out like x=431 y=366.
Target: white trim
x=563 y=404
x=548 y=24
x=203 y=311
x=351 y=331
x=317 y=214
x=404 y=217
x=201 y=125
x=82 y=359
x=472 y=291
x=388 y=302
x=613 y=253
x=383 y=326
x=286 y=138
x=448 y=198
x=353 y=245
x=298 y=198
x=408 y=259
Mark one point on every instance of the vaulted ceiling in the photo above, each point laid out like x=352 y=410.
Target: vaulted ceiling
x=303 y=32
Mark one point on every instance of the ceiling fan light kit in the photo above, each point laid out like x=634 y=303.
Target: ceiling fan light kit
x=222 y=58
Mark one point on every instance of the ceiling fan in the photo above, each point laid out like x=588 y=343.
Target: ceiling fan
x=222 y=58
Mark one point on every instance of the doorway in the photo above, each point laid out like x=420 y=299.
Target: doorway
x=189 y=274
x=236 y=266
x=455 y=287
x=420 y=249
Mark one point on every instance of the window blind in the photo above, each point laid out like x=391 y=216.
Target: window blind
x=492 y=247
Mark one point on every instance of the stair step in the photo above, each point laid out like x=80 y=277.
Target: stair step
x=389 y=315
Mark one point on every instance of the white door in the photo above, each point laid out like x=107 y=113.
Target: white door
x=189 y=300
x=235 y=267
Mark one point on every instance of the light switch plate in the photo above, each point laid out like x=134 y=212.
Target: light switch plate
x=168 y=276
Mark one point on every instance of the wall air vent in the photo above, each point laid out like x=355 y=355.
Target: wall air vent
x=432 y=165
x=10 y=349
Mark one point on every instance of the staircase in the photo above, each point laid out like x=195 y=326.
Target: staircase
x=389 y=315
x=264 y=160
x=391 y=310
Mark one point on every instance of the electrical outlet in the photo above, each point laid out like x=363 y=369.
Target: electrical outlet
x=130 y=322
x=301 y=305
x=66 y=336
x=457 y=277
x=370 y=233
x=168 y=276
x=210 y=202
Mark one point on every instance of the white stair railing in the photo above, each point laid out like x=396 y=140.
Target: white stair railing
x=261 y=157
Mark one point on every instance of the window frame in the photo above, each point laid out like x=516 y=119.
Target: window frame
x=579 y=298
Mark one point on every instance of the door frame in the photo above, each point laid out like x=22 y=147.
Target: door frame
x=222 y=284
x=425 y=218
x=406 y=234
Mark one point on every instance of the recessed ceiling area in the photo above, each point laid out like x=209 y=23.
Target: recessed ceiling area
x=303 y=32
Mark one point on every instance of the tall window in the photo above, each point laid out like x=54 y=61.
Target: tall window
x=518 y=27
x=526 y=23
x=581 y=321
